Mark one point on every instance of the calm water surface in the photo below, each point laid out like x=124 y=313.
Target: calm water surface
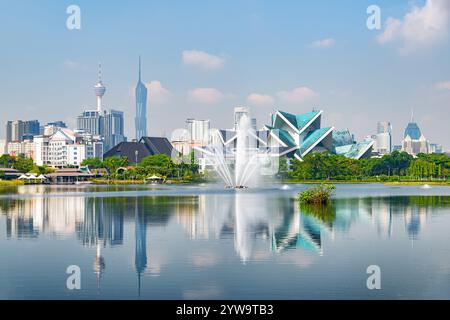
x=204 y=242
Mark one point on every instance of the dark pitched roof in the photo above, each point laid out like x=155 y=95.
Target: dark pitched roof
x=147 y=146
x=157 y=145
x=128 y=149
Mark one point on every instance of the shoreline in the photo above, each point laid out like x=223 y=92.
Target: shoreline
x=13 y=183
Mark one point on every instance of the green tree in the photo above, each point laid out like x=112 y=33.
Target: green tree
x=114 y=163
x=23 y=164
x=93 y=163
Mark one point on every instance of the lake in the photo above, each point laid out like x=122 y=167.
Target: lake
x=205 y=242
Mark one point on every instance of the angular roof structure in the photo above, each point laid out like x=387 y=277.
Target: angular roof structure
x=298 y=135
x=413 y=131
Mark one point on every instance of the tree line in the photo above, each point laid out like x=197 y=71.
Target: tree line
x=182 y=168
x=394 y=166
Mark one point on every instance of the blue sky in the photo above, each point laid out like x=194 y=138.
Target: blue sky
x=203 y=58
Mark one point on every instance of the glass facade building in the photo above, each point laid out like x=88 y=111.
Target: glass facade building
x=141 y=108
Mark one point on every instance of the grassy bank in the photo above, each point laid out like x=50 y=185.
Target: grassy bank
x=116 y=182
x=9 y=183
x=418 y=183
x=131 y=182
x=398 y=183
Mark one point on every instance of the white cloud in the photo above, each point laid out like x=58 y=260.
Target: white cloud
x=260 y=99
x=73 y=65
x=420 y=27
x=202 y=60
x=157 y=93
x=324 y=43
x=205 y=95
x=297 y=95
x=443 y=85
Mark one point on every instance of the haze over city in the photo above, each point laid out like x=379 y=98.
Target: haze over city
x=295 y=57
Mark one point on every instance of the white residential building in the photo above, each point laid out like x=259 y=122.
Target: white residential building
x=66 y=148
x=25 y=148
x=3 y=147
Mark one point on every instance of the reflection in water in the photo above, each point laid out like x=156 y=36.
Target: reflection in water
x=140 y=255
x=277 y=222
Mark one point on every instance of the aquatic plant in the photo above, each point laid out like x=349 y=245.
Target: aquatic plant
x=320 y=194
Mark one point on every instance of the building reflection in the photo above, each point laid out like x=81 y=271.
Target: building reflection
x=140 y=233
x=251 y=220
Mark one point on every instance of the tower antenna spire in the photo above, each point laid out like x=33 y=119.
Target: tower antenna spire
x=99 y=72
x=412 y=115
x=139 y=68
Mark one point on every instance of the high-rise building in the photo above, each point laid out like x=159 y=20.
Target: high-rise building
x=414 y=142
x=254 y=124
x=383 y=138
x=113 y=129
x=435 y=148
x=239 y=113
x=90 y=121
x=198 y=131
x=18 y=131
x=141 y=107
x=8 y=131
x=384 y=127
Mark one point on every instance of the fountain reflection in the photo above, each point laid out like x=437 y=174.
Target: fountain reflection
x=251 y=219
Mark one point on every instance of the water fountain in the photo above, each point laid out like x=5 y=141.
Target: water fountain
x=240 y=161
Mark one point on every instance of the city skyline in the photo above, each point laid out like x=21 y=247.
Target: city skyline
x=266 y=63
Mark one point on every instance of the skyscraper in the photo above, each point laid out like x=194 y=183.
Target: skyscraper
x=383 y=138
x=141 y=107
x=113 y=129
x=18 y=131
x=239 y=113
x=414 y=141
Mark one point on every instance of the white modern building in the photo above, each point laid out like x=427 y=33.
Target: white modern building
x=199 y=131
x=66 y=148
x=198 y=134
x=383 y=138
x=25 y=148
x=3 y=147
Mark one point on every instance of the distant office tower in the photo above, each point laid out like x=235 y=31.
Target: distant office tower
x=141 y=107
x=8 y=132
x=30 y=129
x=254 y=124
x=51 y=128
x=59 y=124
x=113 y=129
x=435 y=148
x=18 y=131
x=198 y=131
x=239 y=113
x=383 y=138
x=91 y=122
x=414 y=142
